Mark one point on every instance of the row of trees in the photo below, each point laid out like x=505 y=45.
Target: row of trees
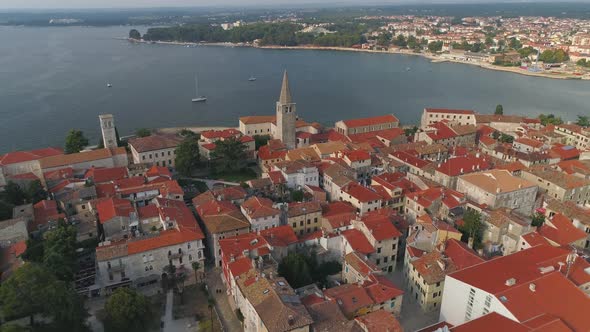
x=284 y=34
x=554 y=56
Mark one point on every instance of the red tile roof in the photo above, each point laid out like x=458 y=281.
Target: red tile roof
x=461 y=254
x=361 y=193
x=24 y=156
x=408 y=158
x=380 y=226
x=461 y=165
x=154 y=142
x=100 y=175
x=257 y=207
x=164 y=239
x=281 y=236
x=361 y=264
x=363 y=122
x=159 y=171
x=445 y=110
x=338 y=213
x=44 y=211
x=554 y=295
x=220 y=134
x=380 y=321
x=491 y=322
x=380 y=289
x=357 y=241
x=530 y=142
x=561 y=230
x=357 y=155
x=235 y=246
x=113 y=207
x=240 y=266
x=148 y=211
x=350 y=297
x=535 y=239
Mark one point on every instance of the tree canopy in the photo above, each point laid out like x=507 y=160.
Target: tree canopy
x=583 y=120
x=34 y=290
x=75 y=141
x=126 y=310
x=499 y=110
x=301 y=270
x=134 y=34
x=59 y=251
x=554 y=56
x=472 y=227
x=187 y=157
x=143 y=132
x=229 y=154
x=550 y=119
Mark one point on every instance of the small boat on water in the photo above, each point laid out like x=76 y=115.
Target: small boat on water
x=408 y=68
x=252 y=79
x=198 y=98
x=109 y=85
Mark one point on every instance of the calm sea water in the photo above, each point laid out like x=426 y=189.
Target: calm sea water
x=54 y=79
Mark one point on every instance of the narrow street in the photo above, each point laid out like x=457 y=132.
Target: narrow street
x=226 y=314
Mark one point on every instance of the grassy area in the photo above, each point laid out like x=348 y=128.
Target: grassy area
x=242 y=175
x=195 y=305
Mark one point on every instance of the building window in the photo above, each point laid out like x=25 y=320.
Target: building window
x=190 y=257
x=294 y=225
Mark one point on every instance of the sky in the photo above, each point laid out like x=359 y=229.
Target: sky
x=60 y=4
x=48 y=4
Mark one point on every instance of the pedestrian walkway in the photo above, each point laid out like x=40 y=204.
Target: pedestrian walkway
x=224 y=310
x=180 y=325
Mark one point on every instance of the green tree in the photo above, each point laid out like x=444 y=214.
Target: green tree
x=296 y=270
x=550 y=119
x=583 y=120
x=505 y=138
x=526 y=51
x=36 y=192
x=26 y=292
x=496 y=135
x=538 y=219
x=126 y=310
x=75 y=141
x=554 y=56
x=410 y=131
x=143 y=132
x=499 y=110
x=187 y=158
x=261 y=140
x=134 y=34
x=14 y=194
x=297 y=195
x=472 y=227
x=5 y=210
x=59 y=251
x=34 y=251
x=583 y=63
x=13 y=328
x=230 y=154
x=67 y=309
x=435 y=46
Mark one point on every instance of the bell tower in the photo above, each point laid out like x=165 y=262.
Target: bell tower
x=286 y=115
x=107 y=127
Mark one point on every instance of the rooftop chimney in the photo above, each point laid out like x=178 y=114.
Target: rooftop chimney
x=510 y=282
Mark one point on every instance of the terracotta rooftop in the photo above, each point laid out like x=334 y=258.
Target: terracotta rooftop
x=495 y=181
x=371 y=121
x=80 y=157
x=24 y=156
x=258 y=207
x=357 y=241
x=452 y=111
x=380 y=320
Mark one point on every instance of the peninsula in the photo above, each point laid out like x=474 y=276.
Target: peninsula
x=537 y=46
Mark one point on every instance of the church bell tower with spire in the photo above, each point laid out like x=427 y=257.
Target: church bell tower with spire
x=286 y=116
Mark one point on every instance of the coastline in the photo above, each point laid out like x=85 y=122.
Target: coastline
x=432 y=58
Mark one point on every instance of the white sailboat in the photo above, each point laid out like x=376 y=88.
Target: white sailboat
x=198 y=98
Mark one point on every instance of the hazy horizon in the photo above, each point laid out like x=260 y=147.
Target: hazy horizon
x=119 y=4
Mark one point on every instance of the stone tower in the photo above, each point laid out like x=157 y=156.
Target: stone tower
x=107 y=127
x=286 y=116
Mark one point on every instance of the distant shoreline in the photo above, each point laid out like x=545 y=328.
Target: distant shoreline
x=433 y=58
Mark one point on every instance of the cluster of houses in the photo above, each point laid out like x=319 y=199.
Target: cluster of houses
x=377 y=199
